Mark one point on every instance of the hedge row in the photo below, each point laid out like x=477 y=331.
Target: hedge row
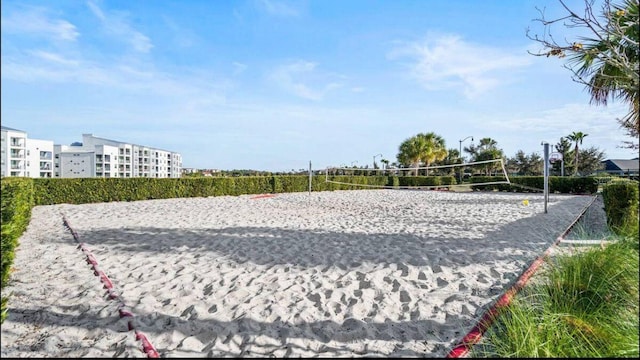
x=15 y=211
x=621 y=204
x=557 y=184
x=92 y=190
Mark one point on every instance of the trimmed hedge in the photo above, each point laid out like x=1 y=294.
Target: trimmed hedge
x=621 y=204
x=15 y=211
x=426 y=180
x=557 y=184
x=92 y=190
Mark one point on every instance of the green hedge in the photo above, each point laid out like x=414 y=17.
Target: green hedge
x=426 y=180
x=557 y=184
x=15 y=211
x=92 y=190
x=621 y=204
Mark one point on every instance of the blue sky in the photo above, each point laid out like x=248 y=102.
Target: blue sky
x=274 y=84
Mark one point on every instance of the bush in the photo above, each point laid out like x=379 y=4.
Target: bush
x=15 y=211
x=557 y=184
x=621 y=204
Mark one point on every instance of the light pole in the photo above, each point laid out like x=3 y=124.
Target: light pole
x=460 y=153
x=374 y=160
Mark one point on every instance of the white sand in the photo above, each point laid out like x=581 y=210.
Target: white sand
x=345 y=273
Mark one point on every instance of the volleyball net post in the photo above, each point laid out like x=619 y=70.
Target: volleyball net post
x=310 y=177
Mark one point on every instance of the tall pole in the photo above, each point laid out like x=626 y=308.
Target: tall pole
x=310 y=175
x=374 y=160
x=546 y=174
x=460 y=153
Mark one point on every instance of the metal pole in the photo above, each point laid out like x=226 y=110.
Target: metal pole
x=460 y=154
x=310 y=175
x=546 y=174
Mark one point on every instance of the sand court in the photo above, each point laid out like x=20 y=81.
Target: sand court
x=333 y=274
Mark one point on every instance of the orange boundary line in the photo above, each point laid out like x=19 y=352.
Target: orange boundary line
x=262 y=196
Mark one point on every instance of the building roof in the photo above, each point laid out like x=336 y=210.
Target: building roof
x=11 y=129
x=622 y=164
x=128 y=143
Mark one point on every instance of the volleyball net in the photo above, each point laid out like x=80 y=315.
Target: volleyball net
x=477 y=174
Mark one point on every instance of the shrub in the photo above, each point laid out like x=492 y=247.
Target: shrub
x=15 y=211
x=621 y=204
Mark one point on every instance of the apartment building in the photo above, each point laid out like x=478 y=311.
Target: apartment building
x=93 y=157
x=100 y=157
x=24 y=157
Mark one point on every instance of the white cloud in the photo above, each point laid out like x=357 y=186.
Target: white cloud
x=278 y=8
x=53 y=58
x=552 y=124
x=35 y=21
x=449 y=62
x=116 y=23
x=296 y=77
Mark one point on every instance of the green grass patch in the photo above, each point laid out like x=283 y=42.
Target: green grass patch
x=581 y=305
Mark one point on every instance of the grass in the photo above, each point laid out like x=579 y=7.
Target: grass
x=581 y=305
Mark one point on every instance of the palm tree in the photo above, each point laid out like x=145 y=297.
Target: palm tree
x=608 y=64
x=425 y=148
x=487 y=149
x=435 y=149
x=577 y=138
x=411 y=150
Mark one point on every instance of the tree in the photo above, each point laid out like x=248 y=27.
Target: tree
x=525 y=165
x=591 y=160
x=487 y=149
x=435 y=149
x=410 y=152
x=607 y=62
x=422 y=148
x=577 y=138
x=452 y=158
x=385 y=164
x=564 y=148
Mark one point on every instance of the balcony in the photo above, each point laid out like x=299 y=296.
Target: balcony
x=18 y=142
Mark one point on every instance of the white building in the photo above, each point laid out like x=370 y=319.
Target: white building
x=99 y=157
x=24 y=157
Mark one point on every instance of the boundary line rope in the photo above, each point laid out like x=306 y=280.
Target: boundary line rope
x=147 y=347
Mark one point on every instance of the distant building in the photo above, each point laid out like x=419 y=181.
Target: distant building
x=24 y=157
x=93 y=157
x=622 y=167
x=99 y=157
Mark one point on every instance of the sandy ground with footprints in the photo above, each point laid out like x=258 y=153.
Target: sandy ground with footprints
x=332 y=274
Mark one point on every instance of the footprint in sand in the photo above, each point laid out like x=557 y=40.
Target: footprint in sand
x=404 y=296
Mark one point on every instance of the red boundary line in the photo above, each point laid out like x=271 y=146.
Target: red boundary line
x=147 y=347
x=262 y=196
x=475 y=335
